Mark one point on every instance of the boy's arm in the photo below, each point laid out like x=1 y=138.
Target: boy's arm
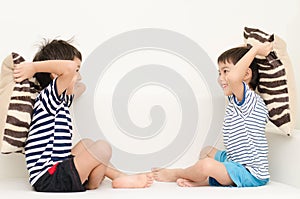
x=64 y=69
x=241 y=69
x=70 y=88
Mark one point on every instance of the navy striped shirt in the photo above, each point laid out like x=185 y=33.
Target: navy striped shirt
x=244 y=133
x=50 y=135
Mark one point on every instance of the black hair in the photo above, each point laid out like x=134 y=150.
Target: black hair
x=233 y=55
x=54 y=50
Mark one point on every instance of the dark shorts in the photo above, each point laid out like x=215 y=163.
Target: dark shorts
x=62 y=177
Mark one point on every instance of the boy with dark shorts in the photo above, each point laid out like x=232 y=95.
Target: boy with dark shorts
x=54 y=165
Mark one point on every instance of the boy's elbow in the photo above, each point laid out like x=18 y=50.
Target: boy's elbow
x=68 y=70
x=71 y=68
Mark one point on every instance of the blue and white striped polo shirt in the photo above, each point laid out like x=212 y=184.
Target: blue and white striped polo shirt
x=244 y=133
x=50 y=135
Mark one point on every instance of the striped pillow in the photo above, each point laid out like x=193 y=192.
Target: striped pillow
x=17 y=100
x=277 y=83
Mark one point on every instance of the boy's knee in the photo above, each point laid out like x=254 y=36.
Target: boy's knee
x=102 y=151
x=205 y=165
x=105 y=146
x=86 y=142
x=208 y=151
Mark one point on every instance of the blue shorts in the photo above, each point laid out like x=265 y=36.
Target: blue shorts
x=237 y=172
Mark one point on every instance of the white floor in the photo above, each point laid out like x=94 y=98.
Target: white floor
x=284 y=170
x=20 y=188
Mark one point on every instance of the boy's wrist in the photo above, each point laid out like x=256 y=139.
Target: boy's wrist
x=255 y=49
x=34 y=68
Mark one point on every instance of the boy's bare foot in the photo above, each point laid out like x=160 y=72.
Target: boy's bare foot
x=165 y=175
x=142 y=180
x=188 y=183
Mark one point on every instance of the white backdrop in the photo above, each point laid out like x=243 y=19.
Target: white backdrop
x=214 y=25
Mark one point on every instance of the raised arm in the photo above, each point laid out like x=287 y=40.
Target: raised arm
x=241 y=71
x=64 y=69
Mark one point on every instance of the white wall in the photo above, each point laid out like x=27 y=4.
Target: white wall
x=215 y=25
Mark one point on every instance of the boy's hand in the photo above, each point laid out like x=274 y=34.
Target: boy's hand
x=23 y=71
x=264 y=49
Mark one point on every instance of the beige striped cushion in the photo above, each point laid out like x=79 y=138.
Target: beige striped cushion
x=17 y=100
x=277 y=83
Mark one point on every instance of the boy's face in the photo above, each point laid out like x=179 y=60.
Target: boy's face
x=78 y=62
x=224 y=69
x=77 y=76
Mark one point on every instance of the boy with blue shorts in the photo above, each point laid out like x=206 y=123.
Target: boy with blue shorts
x=244 y=162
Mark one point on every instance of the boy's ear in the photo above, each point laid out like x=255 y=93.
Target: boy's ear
x=248 y=75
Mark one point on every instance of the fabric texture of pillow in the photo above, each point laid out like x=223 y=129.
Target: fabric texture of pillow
x=277 y=82
x=17 y=100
